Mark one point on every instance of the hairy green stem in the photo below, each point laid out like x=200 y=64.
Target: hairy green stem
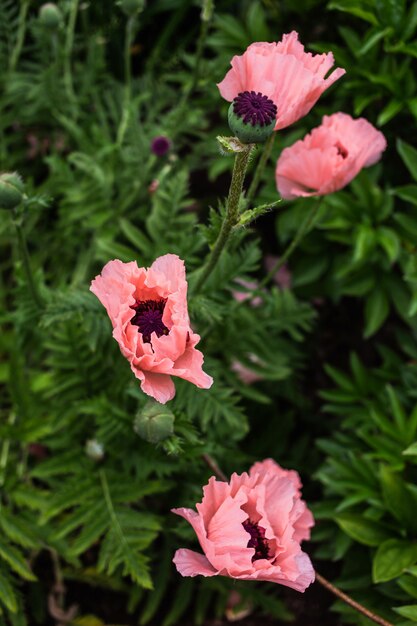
x=294 y=243
x=20 y=37
x=130 y=30
x=69 y=42
x=212 y=464
x=205 y=24
x=231 y=218
x=24 y=255
x=260 y=167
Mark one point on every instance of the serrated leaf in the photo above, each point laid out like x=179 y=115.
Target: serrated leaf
x=7 y=595
x=14 y=558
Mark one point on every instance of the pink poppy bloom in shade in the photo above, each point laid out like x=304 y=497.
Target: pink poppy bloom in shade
x=148 y=310
x=242 y=296
x=293 y=79
x=251 y=528
x=243 y=372
x=283 y=276
x=329 y=157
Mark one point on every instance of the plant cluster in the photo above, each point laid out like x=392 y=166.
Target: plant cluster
x=306 y=308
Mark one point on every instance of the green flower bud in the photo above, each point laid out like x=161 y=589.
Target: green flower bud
x=131 y=7
x=94 y=450
x=11 y=190
x=154 y=422
x=50 y=16
x=252 y=117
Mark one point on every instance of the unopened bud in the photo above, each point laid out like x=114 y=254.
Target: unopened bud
x=154 y=422
x=207 y=10
x=252 y=117
x=50 y=16
x=131 y=7
x=11 y=190
x=94 y=450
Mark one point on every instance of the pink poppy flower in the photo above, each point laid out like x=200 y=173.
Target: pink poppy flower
x=293 y=79
x=243 y=372
x=251 y=528
x=148 y=310
x=329 y=157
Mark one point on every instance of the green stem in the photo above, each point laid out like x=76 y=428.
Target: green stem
x=260 y=167
x=130 y=29
x=199 y=54
x=303 y=229
x=24 y=255
x=69 y=42
x=232 y=215
x=15 y=55
x=351 y=602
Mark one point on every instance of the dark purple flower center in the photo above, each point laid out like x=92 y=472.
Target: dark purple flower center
x=254 y=108
x=160 y=145
x=257 y=540
x=148 y=317
x=341 y=150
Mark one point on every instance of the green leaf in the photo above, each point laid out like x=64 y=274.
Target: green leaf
x=389 y=241
x=376 y=312
x=409 y=156
x=16 y=561
x=390 y=12
x=372 y=41
x=411 y=450
x=7 y=596
x=19 y=530
x=364 y=242
x=408 y=193
x=136 y=237
x=398 y=499
x=362 y=529
x=392 y=558
x=351 y=6
x=409 y=611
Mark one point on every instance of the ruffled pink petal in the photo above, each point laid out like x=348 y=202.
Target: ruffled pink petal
x=269 y=466
x=303 y=524
x=215 y=492
x=159 y=386
x=196 y=522
x=173 y=269
x=190 y=365
x=305 y=172
x=329 y=157
x=190 y=563
x=298 y=578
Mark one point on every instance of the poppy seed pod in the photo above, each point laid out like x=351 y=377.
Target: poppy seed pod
x=50 y=16
x=11 y=190
x=154 y=423
x=252 y=117
x=131 y=7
